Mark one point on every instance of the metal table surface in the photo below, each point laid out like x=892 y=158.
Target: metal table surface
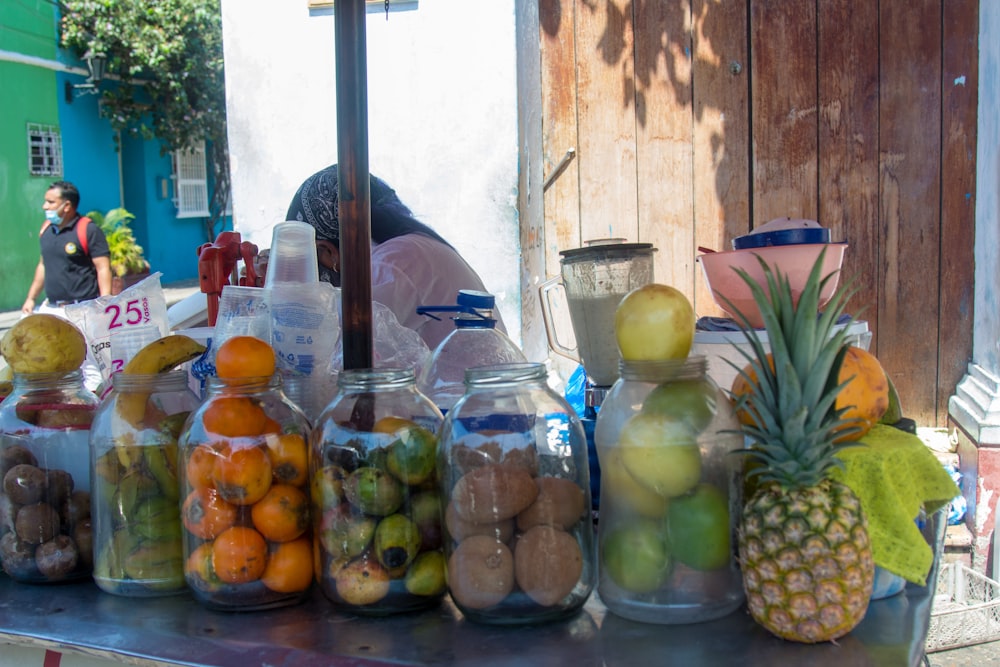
x=178 y=630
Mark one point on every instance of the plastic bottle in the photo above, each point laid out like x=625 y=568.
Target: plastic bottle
x=475 y=342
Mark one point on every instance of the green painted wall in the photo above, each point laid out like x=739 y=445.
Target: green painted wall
x=29 y=96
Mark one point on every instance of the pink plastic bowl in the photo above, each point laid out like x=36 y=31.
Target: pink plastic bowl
x=793 y=260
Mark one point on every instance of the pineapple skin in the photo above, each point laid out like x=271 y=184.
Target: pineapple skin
x=806 y=560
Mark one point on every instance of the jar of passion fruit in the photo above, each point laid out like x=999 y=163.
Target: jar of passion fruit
x=376 y=505
x=245 y=497
x=45 y=531
x=670 y=494
x=135 y=485
x=519 y=534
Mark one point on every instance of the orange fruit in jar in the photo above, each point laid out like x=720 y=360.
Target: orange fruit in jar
x=289 y=455
x=198 y=569
x=243 y=357
x=205 y=514
x=282 y=515
x=239 y=555
x=199 y=465
x=234 y=417
x=289 y=567
x=242 y=475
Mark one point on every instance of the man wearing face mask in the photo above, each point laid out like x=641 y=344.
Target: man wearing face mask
x=75 y=262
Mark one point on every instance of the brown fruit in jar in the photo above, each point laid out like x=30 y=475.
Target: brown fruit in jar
x=480 y=572
x=493 y=493
x=75 y=509
x=57 y=558
x=560 y=503
x=36 y=523
x=548 y=563
x=24 y=484
x=18 y=557
x=83 y=535
x=11 y=456
x=459 y=529
x=58 y=486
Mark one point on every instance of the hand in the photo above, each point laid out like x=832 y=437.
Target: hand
x=28 y=307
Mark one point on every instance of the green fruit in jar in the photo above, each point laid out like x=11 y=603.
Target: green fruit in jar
x=426 y=575
x=373 y=491
x=698 y=528
x=692 y=401
x=397 y=541
x=161 y=462
x=412 y=456
x=635 y=556
x=660 y=453
x=327 y=486
x=345 y=534
x=619 y=488
x=426 y=511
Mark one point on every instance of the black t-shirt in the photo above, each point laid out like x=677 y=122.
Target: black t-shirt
x=69 y=273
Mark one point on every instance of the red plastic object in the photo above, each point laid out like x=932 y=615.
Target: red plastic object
x=217 y=268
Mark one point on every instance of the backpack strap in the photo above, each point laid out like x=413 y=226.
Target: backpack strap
x=81 y=232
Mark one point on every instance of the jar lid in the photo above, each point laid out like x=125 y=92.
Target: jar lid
x=599 y=251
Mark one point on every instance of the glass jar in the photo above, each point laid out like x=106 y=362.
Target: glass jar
x=670 y=494
x=376 y=507
x=244 y=472
x=135 y=499
x=519 y=534
x=45 y=532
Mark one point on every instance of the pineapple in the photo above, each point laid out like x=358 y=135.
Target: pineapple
x=803 y=542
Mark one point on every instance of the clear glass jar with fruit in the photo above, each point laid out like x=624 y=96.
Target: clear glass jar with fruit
x=376 y=505
x=670 y=494
x=135 y=499
x=519 y=534
x=245 y=487
x=45 y=530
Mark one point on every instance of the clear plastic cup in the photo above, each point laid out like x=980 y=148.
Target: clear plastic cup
x=292 y=256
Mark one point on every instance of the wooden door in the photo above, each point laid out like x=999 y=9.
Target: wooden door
x=693 y=121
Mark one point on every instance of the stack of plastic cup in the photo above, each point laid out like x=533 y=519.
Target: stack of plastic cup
x=292 y=257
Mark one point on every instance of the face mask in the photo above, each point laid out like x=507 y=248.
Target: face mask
x=52 y=217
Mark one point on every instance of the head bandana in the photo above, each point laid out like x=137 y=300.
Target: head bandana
x=316 y=202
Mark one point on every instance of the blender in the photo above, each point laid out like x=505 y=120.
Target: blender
x=593 y=281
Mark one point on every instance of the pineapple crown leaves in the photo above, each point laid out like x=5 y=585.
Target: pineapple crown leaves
x=792 y=396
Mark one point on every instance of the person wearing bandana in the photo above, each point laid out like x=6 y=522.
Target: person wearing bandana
x=71 y=269
x=411 y=264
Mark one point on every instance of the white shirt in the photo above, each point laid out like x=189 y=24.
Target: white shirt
x=415 y=270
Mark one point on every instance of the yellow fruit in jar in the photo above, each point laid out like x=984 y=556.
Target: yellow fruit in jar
x=866 y=395
x=42 y=343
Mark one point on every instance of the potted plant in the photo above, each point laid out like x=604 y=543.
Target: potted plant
x=128 y=266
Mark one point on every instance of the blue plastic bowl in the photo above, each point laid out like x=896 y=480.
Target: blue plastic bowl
x=782 y=237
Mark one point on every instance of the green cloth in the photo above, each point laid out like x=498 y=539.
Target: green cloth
x=895 y=475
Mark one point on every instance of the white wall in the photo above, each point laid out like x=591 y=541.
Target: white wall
x=442 y=103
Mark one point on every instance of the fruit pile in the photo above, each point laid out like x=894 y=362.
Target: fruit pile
x=245 y=509
x=135 y=502
x=514 y=534
x=45 y=530
x=378 y=515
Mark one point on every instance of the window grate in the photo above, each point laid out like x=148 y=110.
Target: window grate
x=191 y=182
x=44 y=150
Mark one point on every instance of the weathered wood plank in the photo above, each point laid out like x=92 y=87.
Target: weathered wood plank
x=960 y=85
x=663 y=101
x=848 y=142
x=559 y=129
x=606 y=115
x=784 y=107
x=721 y=138
x=910 y=176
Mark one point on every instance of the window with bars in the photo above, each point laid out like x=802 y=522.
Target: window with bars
x=191 y=182
x=44 y=150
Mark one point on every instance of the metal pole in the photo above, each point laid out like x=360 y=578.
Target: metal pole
x=353 y=190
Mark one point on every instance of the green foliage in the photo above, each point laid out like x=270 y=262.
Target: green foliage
x=168 y=58
x=126 y=254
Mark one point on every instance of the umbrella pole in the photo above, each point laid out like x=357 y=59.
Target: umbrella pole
x=353 y=189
